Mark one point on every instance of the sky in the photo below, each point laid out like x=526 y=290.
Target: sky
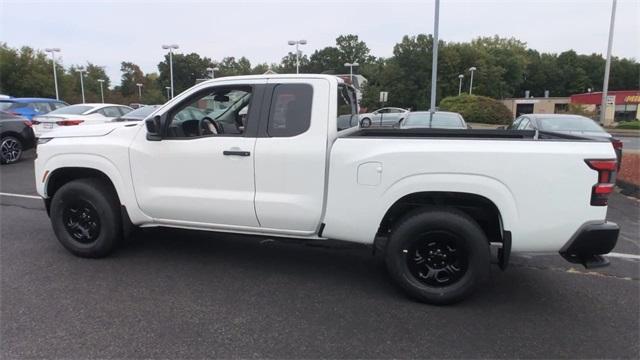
x=108 y=32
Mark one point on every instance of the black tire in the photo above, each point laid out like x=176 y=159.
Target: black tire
x=10 y=149
x=420 y=259
x=99 y=232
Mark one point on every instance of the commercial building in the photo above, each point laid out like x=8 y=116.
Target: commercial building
x=621 y=105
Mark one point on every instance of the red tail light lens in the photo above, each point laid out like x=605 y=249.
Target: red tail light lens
x=35 y=122
x=28 y=123
x=69 y=122
x=617 y=144
x=606 y=180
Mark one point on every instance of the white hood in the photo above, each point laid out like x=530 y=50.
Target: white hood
x=88 y=130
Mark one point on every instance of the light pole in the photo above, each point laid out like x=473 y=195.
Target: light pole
x=607 y=65
x=139 y=91
x=351 y=65
x=297 y=43
x=171 y=48
x=434 y=64
x=472 y=69
x=213 y=71
x=168 y=92
x=81 y=71
x=101 y=81
x=53 y=52
x=460 y=84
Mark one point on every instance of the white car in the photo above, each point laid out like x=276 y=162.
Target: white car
x=79 y=114
x=384 y=117
x=434 y=202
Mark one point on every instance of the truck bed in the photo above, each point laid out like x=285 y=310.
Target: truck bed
x=479 y=134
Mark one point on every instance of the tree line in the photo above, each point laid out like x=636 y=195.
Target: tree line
x=506 y=67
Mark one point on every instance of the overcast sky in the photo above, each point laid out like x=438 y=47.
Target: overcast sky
x=108 y=32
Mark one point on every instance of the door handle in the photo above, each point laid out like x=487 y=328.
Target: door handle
x=236 y=153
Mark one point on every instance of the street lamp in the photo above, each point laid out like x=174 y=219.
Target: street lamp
x=213 y=71
x=171 y=48
x=81 y=71
x=472 y=69
x=351 y=65
x=53 y=59
x=297 y=43
x=168 y=92
x=101 y=81
x=139 y=91
x=434 y=62
x=460 y=84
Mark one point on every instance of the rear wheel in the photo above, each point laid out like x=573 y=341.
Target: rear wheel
x=86 y=218
x=438 y=256
x=10 y=149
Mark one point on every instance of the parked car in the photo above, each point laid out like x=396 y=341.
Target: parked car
x=138 y=114
x=16 y=136
x=441 y=120
x=30 y=107
x=567 y=124
x=80 y=114
x=433 y=201
x=388 y=116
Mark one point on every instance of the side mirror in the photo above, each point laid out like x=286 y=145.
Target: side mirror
x=154 y=128
x=365 y=123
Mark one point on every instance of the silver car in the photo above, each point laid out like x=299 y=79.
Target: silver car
x=388 y=116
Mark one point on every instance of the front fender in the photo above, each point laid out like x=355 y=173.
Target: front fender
x=120 y=181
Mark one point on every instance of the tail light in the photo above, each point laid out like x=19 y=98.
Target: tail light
x=606 y=180
x=617 y=144
x=35 y=122
x=28 y=123
x=69 y=122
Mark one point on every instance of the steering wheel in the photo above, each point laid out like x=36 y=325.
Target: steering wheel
x=208 y=126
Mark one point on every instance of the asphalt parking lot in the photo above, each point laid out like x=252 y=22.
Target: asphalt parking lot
x=173 y=294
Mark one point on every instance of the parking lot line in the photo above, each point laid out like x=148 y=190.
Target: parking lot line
x=623 y=256
x=21 y=196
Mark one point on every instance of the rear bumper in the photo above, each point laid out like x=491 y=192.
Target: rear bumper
x=589 y=242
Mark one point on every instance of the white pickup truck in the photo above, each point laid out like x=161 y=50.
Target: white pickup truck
x=269 y=156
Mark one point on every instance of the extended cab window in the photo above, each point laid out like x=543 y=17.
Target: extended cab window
x=290 y=111
x=347 y=108
x=221 y=111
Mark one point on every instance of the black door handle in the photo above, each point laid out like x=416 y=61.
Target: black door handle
x=236 y=153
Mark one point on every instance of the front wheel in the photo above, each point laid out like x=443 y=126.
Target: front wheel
x=10 y=150
x=86 y=218
x=438 y=256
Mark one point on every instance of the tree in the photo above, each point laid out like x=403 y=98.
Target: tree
x=131 y=75
x=186 y=70
x=478 y=109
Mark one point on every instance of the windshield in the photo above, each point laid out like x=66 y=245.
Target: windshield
x=440 y=120
x=140 y=113
x=72 y=110
x=5 y=105
x=569 y=123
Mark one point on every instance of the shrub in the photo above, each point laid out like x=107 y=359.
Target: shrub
x=629 y=125
x=478 y=109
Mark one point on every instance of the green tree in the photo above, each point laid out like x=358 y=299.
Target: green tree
x=186 y=69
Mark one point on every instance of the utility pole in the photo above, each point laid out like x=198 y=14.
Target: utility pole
x=81 y=71
x=607 y=65
x=53 y=52
x=434 y=64
x=101 y=81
